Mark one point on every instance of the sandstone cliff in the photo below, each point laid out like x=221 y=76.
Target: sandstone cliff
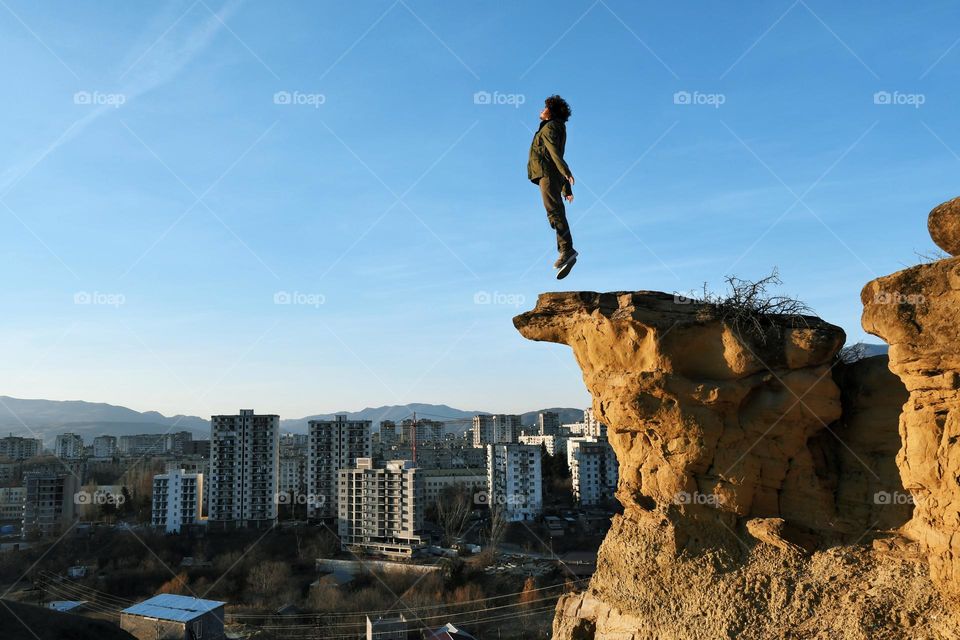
x=917 y=311
x=753 y=466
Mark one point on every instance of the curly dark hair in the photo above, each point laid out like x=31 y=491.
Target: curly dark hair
x=559 y=108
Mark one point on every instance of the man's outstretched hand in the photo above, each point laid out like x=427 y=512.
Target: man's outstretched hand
x=569 y=196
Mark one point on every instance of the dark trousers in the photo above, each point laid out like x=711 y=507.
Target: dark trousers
x=551 y=189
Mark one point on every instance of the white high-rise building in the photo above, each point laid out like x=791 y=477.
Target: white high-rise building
x=514 y=482
x=554 y=444
x=244 y=461
x=332 y=445
x=593 y=469
x=495 y=429
x=380 y=508
x=177 y=499
x=593 y=427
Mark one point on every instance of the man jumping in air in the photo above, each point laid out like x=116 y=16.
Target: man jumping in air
x=547 y=168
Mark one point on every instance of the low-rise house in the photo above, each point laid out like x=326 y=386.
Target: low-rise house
x=174 y=617
x=393 y=628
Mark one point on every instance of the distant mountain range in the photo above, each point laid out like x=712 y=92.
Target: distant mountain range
x=870 y=350
x=46 y=418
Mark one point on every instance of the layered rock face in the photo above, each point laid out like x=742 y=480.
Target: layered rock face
x=750 y=469
x=917 y=311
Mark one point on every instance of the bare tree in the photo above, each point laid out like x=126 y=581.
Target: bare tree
x=750 y=308
x=454 y=506
x=498 y=526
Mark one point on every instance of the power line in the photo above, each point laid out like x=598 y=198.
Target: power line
x=73 y=590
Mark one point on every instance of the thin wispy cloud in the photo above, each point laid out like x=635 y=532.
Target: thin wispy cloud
x=154 y=67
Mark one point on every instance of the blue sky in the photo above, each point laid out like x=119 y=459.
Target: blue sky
x=145 y=244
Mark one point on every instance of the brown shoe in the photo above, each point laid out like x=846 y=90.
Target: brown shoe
x=564 y=258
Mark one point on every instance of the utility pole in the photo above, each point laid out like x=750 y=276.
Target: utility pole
x=414 y=438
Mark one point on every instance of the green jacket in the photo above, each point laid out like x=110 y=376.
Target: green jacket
x=546 y=153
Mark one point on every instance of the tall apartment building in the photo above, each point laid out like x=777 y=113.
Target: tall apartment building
x=177 y=499
x=198 y=465
x=591 y=426
x=495 y=429
x=548 y=423
x=293 y=444
x=11 y=503
x=436 y=481
x=49 y=507
x=380 y=508
x=332 y=445
x=426 y=431
x=593 y=469
x=293 y=475
x=244 y=461
x=17 y=448
x=554 y=445
x=514 y=482
x=69 y=446
x=388 y=433
x=143 y=444
x=199 y=448
x=104 y=446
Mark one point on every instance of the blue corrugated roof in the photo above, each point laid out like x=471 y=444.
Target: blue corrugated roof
x=168 y=606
